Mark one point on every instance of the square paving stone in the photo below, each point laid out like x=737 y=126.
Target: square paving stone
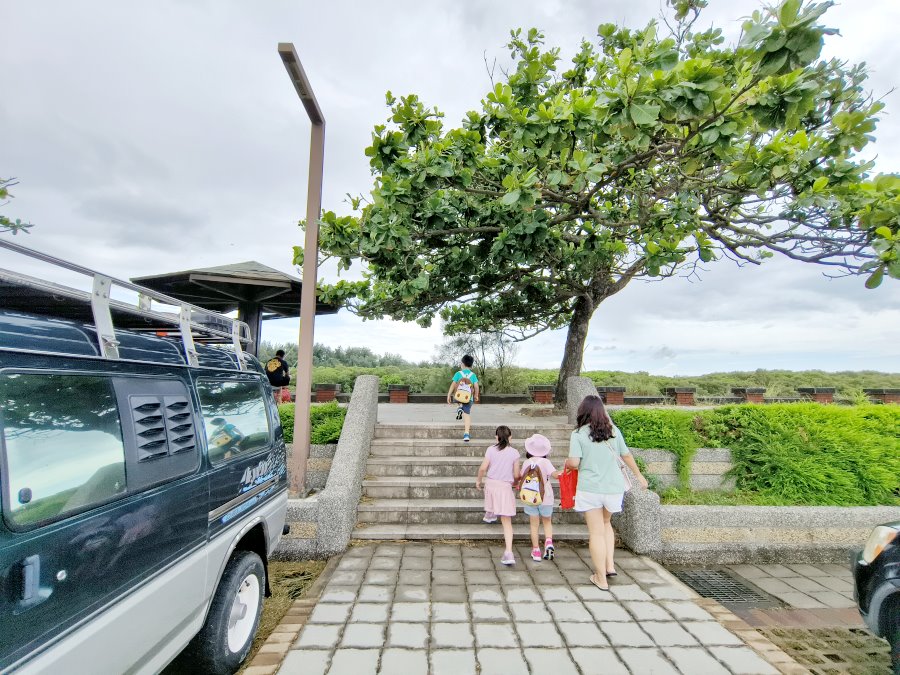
x=647 y=578
x=521 y=594
x=412 y=635
x=369 y=613
x=449 y=564
x=805 y=570
x=668 y=634
x=570 y=611
x=625 y=635
x=452 y=662
x=694 y=660
x=712 y=633
x=381 y=578
x=556 y=661
x=530 y=612
x=799 y=600
x=513 y=578
x=743 y=661
x=599 y=661
x=683 y=609
x=356 y=661
x=338 y=594
x=457 y=635
x=647 y=611
x=833 y=599
x=539 y=634
x=593 y=593
x=582 y=635
x=330 y=613
x=348 y=578
x=447 y=578
x=805 y=585
x=389 y=550
x=318 y=636
x=449 y=611
x=749 y=571
x=485 y=594
x=774 y=586
x=449 y=593
x=379 y=563
x=485 y=611
x=558 y=594
x=501 y=661
x=411 y=594
x=306 y=662
x=410 y=611
x=548 y=578
x=628 y=592
x=363 y=635
x=481 y=578
x=495 y=635
x=668 y=593
x=778 y=571
x=394 y=661
x=375 y=594
x=415 y=563
x=348 y=564
x=647 y=661
x=571 y=564
x=477 y=564
x=630 y=563
x=416 y=551
x=414 y=578
x=608 y=611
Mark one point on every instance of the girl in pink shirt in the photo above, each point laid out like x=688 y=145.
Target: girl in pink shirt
x=501 y=464
x=537 y=447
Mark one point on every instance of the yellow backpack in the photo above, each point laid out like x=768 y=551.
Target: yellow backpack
x=531 y=486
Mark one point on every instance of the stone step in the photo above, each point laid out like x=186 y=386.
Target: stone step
x=432 y=449
x=481 y=531
x=478 y=431
x=423 y=466
x=441 y=511
x=430 y=487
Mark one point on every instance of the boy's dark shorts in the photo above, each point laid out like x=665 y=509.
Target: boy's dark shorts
x=466 y=407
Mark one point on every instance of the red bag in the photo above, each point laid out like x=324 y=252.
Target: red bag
x=568 y=483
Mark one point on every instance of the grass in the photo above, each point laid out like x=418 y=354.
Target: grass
x=787 y=454
x=288 y=581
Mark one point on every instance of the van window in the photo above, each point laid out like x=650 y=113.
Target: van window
x=234 y=414
x=62 y=444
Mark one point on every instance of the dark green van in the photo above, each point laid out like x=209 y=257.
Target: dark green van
x=142 y=481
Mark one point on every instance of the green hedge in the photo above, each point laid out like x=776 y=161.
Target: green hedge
x=516 y=380
x=800 y=453
x=326 y=420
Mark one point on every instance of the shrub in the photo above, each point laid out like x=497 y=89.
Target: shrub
x=326 y=421
x=672 y=430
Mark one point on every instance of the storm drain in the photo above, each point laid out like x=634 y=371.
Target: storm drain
x=721 y=587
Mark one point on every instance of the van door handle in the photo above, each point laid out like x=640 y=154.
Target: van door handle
x=31 y=578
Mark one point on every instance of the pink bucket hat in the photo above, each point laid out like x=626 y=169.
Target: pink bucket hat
x=537 y=445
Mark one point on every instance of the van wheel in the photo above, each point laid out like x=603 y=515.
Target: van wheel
x=225 y=639
x=893 y=635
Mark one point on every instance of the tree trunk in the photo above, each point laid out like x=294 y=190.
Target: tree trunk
x=574 y=353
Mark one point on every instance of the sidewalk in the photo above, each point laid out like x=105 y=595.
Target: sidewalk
x=453 y=609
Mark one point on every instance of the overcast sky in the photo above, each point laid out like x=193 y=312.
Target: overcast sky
x=151 y=137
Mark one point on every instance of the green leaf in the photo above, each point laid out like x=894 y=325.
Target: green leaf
x=875 y=280
x=511 y=198
x=820 y=183
x=643 y=113
x=298 y=255
x=884 y=231
x=788 y=12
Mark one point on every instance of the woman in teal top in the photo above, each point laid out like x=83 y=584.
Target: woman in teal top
x=593 y=450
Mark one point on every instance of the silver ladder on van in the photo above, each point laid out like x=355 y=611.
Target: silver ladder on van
x=190 y=320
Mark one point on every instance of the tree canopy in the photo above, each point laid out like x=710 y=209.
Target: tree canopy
x=651 y=154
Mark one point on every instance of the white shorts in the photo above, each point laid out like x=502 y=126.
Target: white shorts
x=588 y=501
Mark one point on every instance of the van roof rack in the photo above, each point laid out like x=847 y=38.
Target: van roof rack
x=194 y=324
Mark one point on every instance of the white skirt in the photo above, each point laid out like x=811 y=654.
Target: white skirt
x=588 y=501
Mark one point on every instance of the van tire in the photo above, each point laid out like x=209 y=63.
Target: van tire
x=210 y=649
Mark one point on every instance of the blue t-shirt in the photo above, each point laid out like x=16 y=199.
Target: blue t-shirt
x=473 y=378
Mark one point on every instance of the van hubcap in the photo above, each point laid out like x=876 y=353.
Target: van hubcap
x=243 y=613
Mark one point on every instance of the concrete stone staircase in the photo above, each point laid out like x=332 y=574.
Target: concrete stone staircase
x=420 y=484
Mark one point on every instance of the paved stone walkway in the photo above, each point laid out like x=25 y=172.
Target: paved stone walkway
x=453 y=609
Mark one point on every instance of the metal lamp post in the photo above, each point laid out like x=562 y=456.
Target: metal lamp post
x=300 y=454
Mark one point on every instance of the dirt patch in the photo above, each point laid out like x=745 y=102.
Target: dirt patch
x=827 y=651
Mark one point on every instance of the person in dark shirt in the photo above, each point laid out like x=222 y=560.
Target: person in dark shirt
x=279 y=375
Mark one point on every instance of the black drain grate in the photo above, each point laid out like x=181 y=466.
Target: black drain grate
x=720 y=586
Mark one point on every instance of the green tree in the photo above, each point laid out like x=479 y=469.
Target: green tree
x=649 y=156
x=7 y=224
